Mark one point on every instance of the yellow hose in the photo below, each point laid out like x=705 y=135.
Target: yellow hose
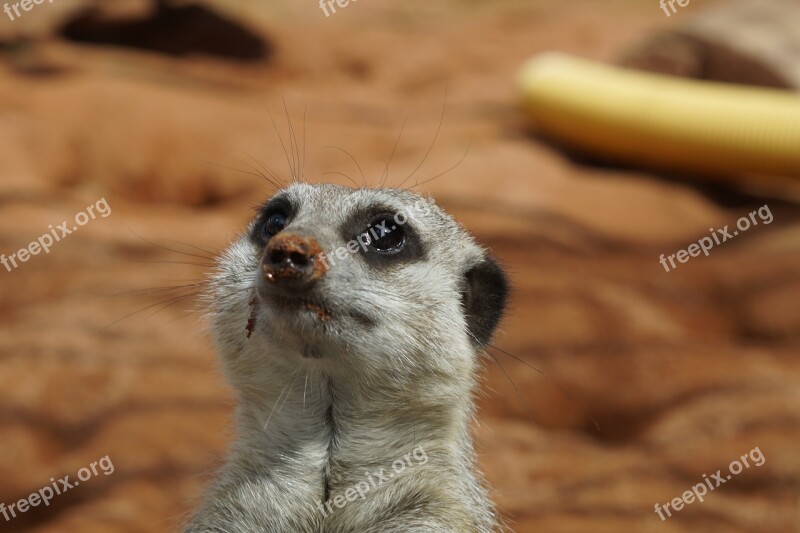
x=663 y=121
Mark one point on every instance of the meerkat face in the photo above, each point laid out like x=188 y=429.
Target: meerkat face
x=356 y=279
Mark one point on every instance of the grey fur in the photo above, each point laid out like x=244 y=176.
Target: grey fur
x=393 y=370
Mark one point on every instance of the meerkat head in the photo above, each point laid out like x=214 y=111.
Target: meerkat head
x=358 y=281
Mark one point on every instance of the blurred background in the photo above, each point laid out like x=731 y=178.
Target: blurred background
x=165 y=110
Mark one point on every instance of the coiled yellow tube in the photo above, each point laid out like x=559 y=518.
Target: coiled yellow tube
x=663 y=121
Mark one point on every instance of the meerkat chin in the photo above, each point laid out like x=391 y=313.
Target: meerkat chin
x=349 y=323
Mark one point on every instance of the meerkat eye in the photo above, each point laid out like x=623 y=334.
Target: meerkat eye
x=386 y=236
x=275 y=223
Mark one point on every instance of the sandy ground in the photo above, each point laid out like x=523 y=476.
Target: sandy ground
x=684 y=371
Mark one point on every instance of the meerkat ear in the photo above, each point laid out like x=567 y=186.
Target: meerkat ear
x=484 y=299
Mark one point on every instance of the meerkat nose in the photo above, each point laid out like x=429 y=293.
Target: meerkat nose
x=293 y=260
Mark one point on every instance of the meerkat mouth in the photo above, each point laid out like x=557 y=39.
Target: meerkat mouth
x=321 y=311
x=306 y=304
x=305 y=313
x=286 y=305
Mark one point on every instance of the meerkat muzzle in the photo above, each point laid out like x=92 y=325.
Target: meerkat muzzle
x=293 y=260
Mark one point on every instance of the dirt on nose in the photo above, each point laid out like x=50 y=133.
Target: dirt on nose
x=294 y=245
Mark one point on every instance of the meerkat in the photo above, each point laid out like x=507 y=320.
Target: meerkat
x=344 y=363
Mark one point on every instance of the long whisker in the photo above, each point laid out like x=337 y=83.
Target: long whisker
x=291 y=383
x=514 y=385
x=435 y=137
x=233 y=296
x=566 y=393
x=273 y=179
x=292 y=140
x=249 y=173
x=385 y=174
x=342 y=174
x=170 y=249
x=193 y=263
x=283 y=145
x=134 y=292
x=463 y=157
x=290 y=390
x=276 y=404
x=366 y=186
x=305 y=386
x=170 y=303
x=305 y=144
x=192 y=246
x=194 y=290
x=171 y=299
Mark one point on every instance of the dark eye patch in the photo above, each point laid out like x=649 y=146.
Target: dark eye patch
x=391 y=243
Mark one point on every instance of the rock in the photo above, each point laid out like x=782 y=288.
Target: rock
x=744 y=41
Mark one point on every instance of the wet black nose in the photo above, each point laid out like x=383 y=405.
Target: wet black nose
x=293 y=260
